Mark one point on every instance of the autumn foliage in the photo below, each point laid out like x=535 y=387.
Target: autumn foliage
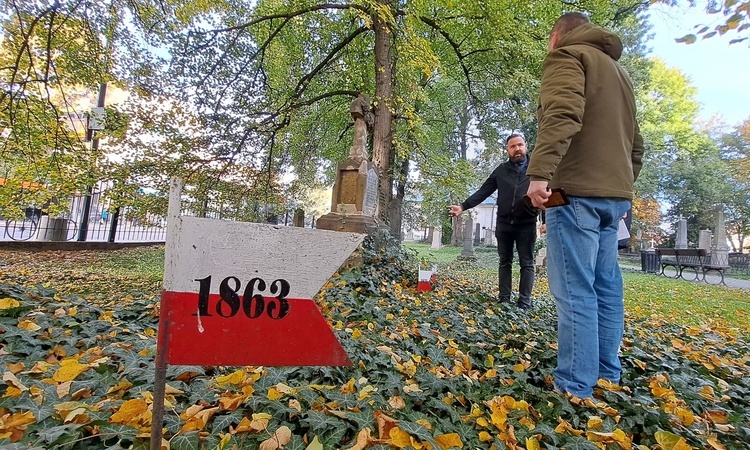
x=450 y=368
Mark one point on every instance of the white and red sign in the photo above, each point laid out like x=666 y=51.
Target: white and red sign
x=238 y=293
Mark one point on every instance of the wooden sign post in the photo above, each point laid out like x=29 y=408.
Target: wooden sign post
x=238 y=293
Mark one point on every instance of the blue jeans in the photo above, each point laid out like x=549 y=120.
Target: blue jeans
x=586 y=282
x=523 y=238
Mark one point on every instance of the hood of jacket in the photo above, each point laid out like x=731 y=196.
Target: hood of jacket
x=594 y=36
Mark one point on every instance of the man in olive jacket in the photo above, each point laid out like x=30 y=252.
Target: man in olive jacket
x=589 y=144
x=516 y=222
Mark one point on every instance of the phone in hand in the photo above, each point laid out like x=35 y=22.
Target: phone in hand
x=558 y=198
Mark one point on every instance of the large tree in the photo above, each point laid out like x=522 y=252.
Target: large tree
x=55 y=57
x=280 y=76
x=268 y=84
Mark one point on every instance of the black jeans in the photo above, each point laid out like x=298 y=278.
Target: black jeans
x=524 y=238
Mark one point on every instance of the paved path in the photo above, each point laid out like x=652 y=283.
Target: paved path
x=712 y=279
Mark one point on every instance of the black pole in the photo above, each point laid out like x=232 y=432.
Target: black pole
x=113 y=227
x=91 y=136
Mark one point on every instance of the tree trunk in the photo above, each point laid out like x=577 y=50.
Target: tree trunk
x=397 y=202
x=457 y=235
x=382 y=142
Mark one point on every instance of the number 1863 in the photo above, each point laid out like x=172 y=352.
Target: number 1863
x=252 y=303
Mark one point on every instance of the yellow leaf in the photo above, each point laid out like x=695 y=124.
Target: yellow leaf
x=315 y=444
x=7 y=303
x=69 y=370
x=532 y=443
x=717 y=416
x=399 y=437
x=231 y=401
x=13 y=425
x=670 y=441
x=450 y=440
x=595 y=422
x=73 y=311
x=685 y=415
x=129 y=410
x=485 y=436
x=28 y=325
x=121 y=387
x=349 y=387
x=260 y=421
x=356 y=334
x=280 y=438
x=13 y=392
x=197 y=418
x=365 y=392
x=713 y=441
x=225 y=439
x=15 y=367
x=236 y=377
x=425 y=423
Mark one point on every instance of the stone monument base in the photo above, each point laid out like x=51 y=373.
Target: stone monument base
x=353 y=223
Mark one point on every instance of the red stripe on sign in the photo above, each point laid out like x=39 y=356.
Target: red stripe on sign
x=249 y=337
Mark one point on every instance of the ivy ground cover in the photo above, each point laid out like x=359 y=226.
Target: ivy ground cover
x=449 y=368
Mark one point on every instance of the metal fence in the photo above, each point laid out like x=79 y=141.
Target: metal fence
x=52 y=229
x=107 y=224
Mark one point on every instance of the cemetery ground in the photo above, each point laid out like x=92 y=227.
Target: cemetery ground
x=449 y=368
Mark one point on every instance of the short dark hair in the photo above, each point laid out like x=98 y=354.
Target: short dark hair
x=568 y=22
x=514 y=135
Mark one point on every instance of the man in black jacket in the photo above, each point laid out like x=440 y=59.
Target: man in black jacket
x=516 y=222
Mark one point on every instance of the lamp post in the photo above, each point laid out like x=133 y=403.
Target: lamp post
x=91 y=126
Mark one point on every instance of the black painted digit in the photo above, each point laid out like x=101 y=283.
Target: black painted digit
x=282 y=288
x=229 y=297
x=203 y=293
x=254 y=304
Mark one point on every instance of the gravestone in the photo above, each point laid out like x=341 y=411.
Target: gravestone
x=468 y=250
x=437 y=239
x=299 y=218
x=681 y=241
x=541 y=259
x=477 y=232
x=720 y=249
x=704 y=240
x=355 y=191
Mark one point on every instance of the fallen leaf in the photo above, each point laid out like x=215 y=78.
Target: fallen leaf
x=280 y=438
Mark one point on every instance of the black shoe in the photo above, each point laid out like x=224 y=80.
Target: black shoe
x=524 y=304
x=503 y=300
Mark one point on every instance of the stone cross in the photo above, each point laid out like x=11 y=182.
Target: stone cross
x=363 y=117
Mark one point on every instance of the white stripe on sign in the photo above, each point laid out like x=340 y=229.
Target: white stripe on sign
x=305 y=257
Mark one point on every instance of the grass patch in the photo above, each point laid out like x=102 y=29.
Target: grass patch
x=646 y=295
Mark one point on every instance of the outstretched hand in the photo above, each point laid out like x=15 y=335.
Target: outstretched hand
x=455 y=210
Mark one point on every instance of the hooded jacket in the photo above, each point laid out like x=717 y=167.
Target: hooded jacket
x=588 y=141
x=511 y=183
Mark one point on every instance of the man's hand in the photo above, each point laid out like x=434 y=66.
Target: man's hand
x=538 y=192
x=455 y=210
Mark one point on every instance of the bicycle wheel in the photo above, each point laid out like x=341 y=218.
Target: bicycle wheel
x=72 y=230
x=20 y=230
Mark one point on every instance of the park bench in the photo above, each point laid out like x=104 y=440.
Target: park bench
x=676 y=262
